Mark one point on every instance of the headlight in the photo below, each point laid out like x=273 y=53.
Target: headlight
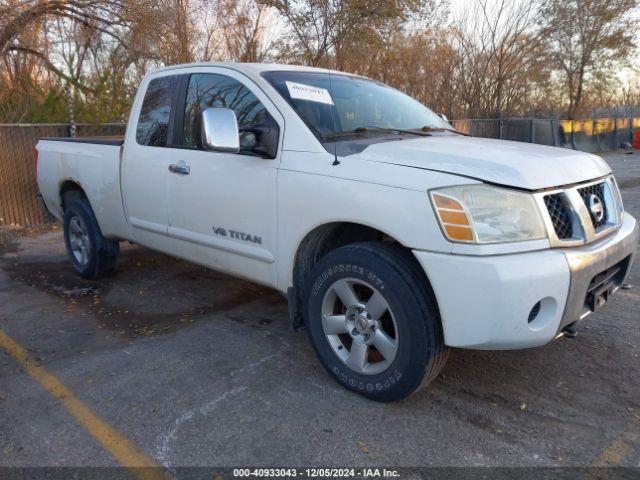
x=486 y=214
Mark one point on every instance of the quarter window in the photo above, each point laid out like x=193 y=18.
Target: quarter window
x=153 y=122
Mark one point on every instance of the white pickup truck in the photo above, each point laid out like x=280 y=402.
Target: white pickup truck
x=393 y=236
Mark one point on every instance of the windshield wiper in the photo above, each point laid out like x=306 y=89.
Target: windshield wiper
x=359 y=130
x=431 y=128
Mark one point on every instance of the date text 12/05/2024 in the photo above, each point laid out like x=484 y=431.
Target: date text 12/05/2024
x=317 y=472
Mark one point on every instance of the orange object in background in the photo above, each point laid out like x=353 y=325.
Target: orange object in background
x=636 y=140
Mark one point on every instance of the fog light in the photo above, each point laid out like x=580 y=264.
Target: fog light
x=542 y=314
x=533 y=314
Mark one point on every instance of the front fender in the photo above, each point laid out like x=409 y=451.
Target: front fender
x=314 y=192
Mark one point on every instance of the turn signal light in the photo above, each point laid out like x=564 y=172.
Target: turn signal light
x=453 y=218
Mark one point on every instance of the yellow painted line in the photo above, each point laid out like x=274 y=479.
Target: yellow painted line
x=616 y=452
x=122 y=449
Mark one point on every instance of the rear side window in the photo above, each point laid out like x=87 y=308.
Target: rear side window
x=210 y=90
x=153 y=122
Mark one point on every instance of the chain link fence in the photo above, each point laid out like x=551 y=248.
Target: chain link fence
x=18 y=203
x=19 y=206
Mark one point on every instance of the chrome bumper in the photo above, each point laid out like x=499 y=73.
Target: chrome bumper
x=589 y=261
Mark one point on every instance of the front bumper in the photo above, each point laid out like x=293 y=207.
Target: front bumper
x=489 y=302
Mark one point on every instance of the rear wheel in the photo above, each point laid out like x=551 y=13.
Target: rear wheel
x=91 y=254
x=373 y=321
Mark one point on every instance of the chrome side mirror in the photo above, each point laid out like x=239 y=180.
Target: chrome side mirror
x=219 y=130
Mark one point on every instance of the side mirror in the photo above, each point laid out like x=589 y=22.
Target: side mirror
x=219 y=130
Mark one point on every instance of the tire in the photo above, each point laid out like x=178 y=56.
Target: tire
x=395 y=316
x=92 y=255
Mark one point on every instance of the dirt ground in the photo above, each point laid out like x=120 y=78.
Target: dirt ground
x=194 y=368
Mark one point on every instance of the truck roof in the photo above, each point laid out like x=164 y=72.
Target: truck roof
x=251 y=68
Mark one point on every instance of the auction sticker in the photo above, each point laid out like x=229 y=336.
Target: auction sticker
x=310 y=93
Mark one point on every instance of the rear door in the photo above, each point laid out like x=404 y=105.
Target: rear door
x=147 y=156
x=224 y=208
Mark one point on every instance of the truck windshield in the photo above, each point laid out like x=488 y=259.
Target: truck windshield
x=337 y=106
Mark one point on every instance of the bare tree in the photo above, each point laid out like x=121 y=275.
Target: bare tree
x=630 y=94
x=318 y=28
x=166 y=32
x=499 y=55
x=245 y=27
x=586 y=38
x=498 y=58
x=103 y=15
x=24 y=23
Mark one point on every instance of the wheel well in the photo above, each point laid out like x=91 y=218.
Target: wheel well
x=315 y=245
x=70 y=191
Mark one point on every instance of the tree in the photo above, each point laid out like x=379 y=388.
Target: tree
x=22 y=32
x=319 y=28
x=586 y=39
x=17 y=16
x=244 y=27
x=499 y=57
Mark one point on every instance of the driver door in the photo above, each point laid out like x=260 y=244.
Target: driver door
x=222 y=206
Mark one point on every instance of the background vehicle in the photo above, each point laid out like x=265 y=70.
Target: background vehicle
x=392 y=236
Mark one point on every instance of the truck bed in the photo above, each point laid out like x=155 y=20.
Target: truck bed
x=115 y=140
x=93 y=165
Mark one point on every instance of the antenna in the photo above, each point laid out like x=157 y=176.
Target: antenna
x=333 y=120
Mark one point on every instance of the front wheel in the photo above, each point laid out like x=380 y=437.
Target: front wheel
x=373 y=321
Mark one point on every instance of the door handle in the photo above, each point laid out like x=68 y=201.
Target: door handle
x=180 y=168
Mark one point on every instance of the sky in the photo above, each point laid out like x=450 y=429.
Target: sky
x=458 y=5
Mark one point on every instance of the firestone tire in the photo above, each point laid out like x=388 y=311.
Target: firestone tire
x=91 y=255
x=394 y=319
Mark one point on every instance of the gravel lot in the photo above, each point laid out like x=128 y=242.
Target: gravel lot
x=199 y=369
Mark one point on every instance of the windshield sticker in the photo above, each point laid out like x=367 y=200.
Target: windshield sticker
x=310 y=93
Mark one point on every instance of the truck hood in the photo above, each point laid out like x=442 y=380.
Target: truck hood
x=515 y=164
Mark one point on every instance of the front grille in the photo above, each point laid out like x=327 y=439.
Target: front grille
x=560 y=215
x=580 y=214
x=598 y=191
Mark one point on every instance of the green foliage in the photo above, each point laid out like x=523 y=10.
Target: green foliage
x=110 y=100
x=53 y=108
x=33 y=106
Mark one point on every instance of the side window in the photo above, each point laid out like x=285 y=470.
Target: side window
x=153 y=122
x=208 y=90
